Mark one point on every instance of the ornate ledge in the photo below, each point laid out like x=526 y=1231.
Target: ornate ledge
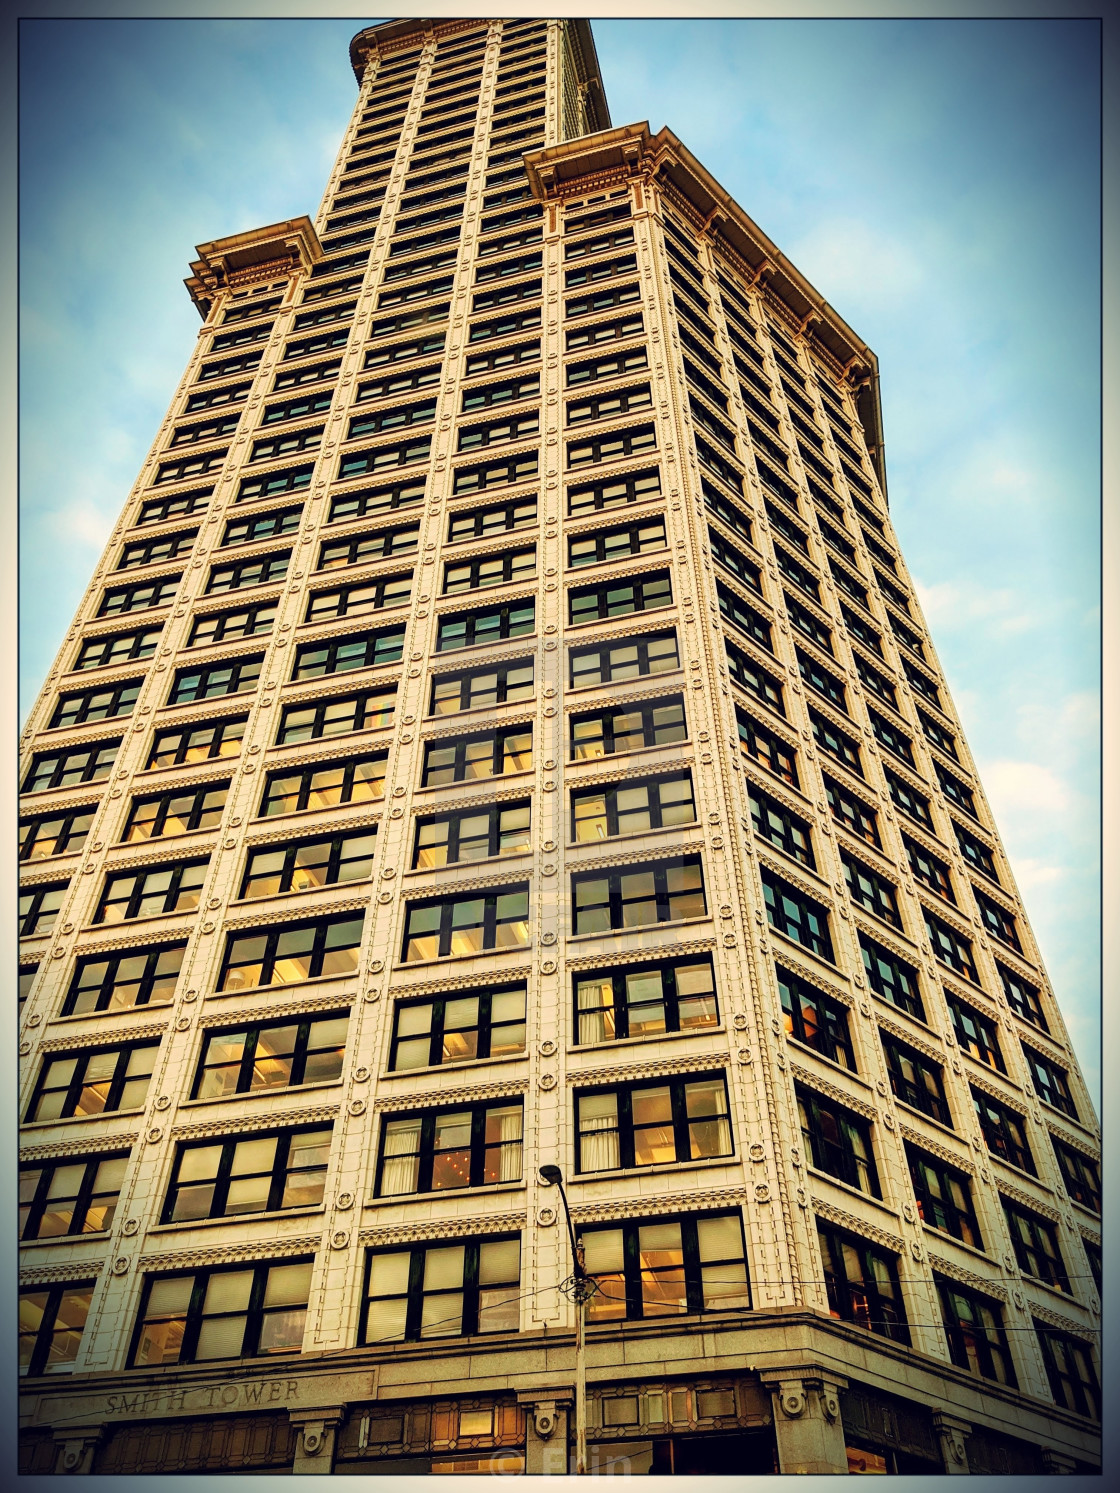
x=280 y=249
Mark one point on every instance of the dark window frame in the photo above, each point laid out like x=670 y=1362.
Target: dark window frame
x=484 y=1028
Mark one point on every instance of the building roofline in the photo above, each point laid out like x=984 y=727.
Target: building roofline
x=577 y=165
x=277 y=248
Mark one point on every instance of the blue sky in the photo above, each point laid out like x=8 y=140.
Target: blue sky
x=937 y=181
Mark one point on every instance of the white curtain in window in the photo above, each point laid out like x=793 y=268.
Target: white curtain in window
x=509 y=1133
x=400 y=1170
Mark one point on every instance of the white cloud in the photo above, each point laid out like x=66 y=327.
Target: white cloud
x=81 y=522
x=958 y=604
x=1016 y=788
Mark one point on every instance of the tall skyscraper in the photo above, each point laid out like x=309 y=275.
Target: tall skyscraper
x=501 y=733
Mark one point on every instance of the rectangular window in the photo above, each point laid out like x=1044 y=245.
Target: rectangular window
x=384 y=458
x=355 y=651
x=446 y=1149
x=851 y=811
x=974 y=1329
x=598 y=369
x=495 y=624
x=649 y=1124
x=976 y=1034
x=602 y=813
x=337 y=717
x=944 y=1197
x=1081 y=1175
x=807 y=624
x=598 y=449
x=812 y=1017
x=835 y=742
x=646 y=999
x=271 y=1055
x=249 y=530
x=938 y=735
x=220 y=627
x=753 y=678
x=442 y=1290
x=255 y=572
x=1051 y=1083
x=891 y=978
x=929 y=869
x=913 y=804
x=492 y=754
x=870 y=891
x=491 y=396
x=997 y=920
x=459 y=1028
x=638 y=897
x=481 y=689
x=375 y=500
x=307 y=864
x=197 y=743
x=797 y=916
x=442 y=928
x=212 y=681
x=503 y=357
x=51 y=1322
x=296 y=409
x=656 y=1268
x=239 y=1311
x=1023 y=998
x=955 y=790
x=118 y=982
x=93 y=1082
x=498 y=432
x=837 y=1141
x=817 y=677
x=609 y=407
x=363 y=548
x=400 y=417
x=862 y=1283
x=176 y=813
x=60 y=834
x=616 y=544
x=773 y=822
x=1069 y=1368
x=148 y=893
x=490 y=570
x=39 y=908
x=949 y=946
x=975 y=852
x=138 y=598
x=916 y=1079
x=1035 y=1241
x=472 y=836
x=616 y=493
x=479 y=523
x=874 y=681
x=1005 y=1132
x=743 y=616
x=118 y=648
x=361 y=599
x=235 y=1177
x=861 y=629
x=919 y=682
x=391 y=384
x=495 y=474
x=765 y=747
x=890 y=737
x=60 y=1198
x=506 y=326
x=293 y=952
x=655 y=653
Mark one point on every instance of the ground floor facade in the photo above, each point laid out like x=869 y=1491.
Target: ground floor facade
x=791 y=1392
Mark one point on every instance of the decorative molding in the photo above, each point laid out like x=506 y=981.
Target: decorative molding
x=985 y=1284
x=1016 y=1195
x=961 y=1160
x=632 y=857
x=475 y=801
x=136 y=862
x=81 y=1040
x=426 y=1099
x=307 y=691
x=44 y=1275
x=815 y=887
x=456 y=664
x=774 y=788
x=445 y=1228
x=642 y=956
x=251 y=1123
x=279 y=916
x=344 y=822
x=1066 y=1324
x=659 y=1206
x=619 y=701
x=221 y=1254
x=98 y=1145
x=1074 y=1142
x=664 y=619
x=856 y=1225
x=789 y=959
x=307 y=1005
x=453 y=732
x=833 y=1091
x=463 y=982
x=702 y=1062
x=1013 y=1101
x=890 y=939
x=146 y=937
x=896 y=1029
x=53 y=806
x=512 y=877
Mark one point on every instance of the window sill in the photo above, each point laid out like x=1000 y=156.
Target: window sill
x=1056 y=1291
x=662 y=1167
x=261 y=821
x=98 y=1236
x=278 y=748
x=403 y=968
x=910 y=1109
x=469 y=1065
x=627 y=617
x=625 y=1043
x=941 y=1234
x=243 y=903
x=104 y=1114
x=299 y=1088
x=301 y=985
x=473 y=650
x=147 y=772
x=235 y=1218
x=126 y=924
x=644 y=928
x=580 y=762
x=636 y=834
x=351 y=617
x=833 y=970
x=515 y=857
x=498 y=535
x=455 y=1192
x=836 y=1067
x=669 y=675
x=486 y=784
x=99 y=1016
x=855 y=1192
x=485 y=712
x=573 y=572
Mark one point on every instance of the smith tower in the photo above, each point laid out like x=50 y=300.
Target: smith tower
x=501 y=732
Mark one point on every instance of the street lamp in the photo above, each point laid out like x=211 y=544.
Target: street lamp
x=579 y=1287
